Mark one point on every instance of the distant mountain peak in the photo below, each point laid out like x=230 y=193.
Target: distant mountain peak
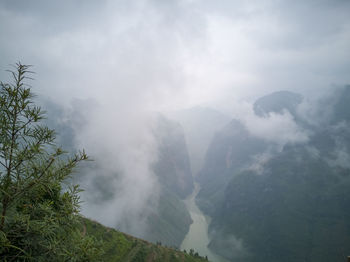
x=277 y=102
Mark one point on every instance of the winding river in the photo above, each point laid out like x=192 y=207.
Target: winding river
x=197 y=238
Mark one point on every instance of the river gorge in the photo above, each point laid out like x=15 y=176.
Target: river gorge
x=197 y=237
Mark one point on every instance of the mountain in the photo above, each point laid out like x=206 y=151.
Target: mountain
x=173 y=166
x=167 y=219
x=277 y=102
x=171 y=221
x=231 y=149
x=118 y=246
x=200 y=125
x=295 y=206
x=296 y=209
x=334 y=107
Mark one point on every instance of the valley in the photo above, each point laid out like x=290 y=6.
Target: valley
x=271 y=191
x=175 y=131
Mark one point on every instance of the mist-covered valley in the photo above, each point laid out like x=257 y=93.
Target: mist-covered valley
x=220 y=126
x=274 y=182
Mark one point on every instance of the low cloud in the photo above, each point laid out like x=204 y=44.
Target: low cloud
x=259 y=161
x=121 y=189
x=339 y=158
x=280 y=129
x=137 y=57
x=230 y=247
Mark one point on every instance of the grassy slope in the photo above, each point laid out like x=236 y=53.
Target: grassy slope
x=122 y=247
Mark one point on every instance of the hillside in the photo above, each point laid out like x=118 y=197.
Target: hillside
x=289 y=204
x=168 y=221
x=119 y=246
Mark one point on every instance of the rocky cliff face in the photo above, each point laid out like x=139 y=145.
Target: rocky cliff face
x=173 y=166
x=170 y=223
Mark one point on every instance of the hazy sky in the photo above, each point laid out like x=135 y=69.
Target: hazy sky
x=170 y=53
x=126 y=58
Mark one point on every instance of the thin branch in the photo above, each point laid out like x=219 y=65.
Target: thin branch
x=1 y=163
x=35 y=181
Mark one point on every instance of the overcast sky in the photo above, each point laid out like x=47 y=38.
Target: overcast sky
x=177 y=53
x=122 y=59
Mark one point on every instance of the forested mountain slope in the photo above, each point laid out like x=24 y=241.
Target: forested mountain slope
x=290 y=204
x=118 y=246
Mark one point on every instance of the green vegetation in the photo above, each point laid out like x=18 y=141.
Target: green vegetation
x=38 y=216
x=39 y=210
x=121 y=247
x=171 y=222
x=295 y=207
x=295 y=211
x=229 y=152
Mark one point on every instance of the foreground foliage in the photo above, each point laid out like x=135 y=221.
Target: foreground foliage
x=39 y=219
x=39 y=210
x=121 y=247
